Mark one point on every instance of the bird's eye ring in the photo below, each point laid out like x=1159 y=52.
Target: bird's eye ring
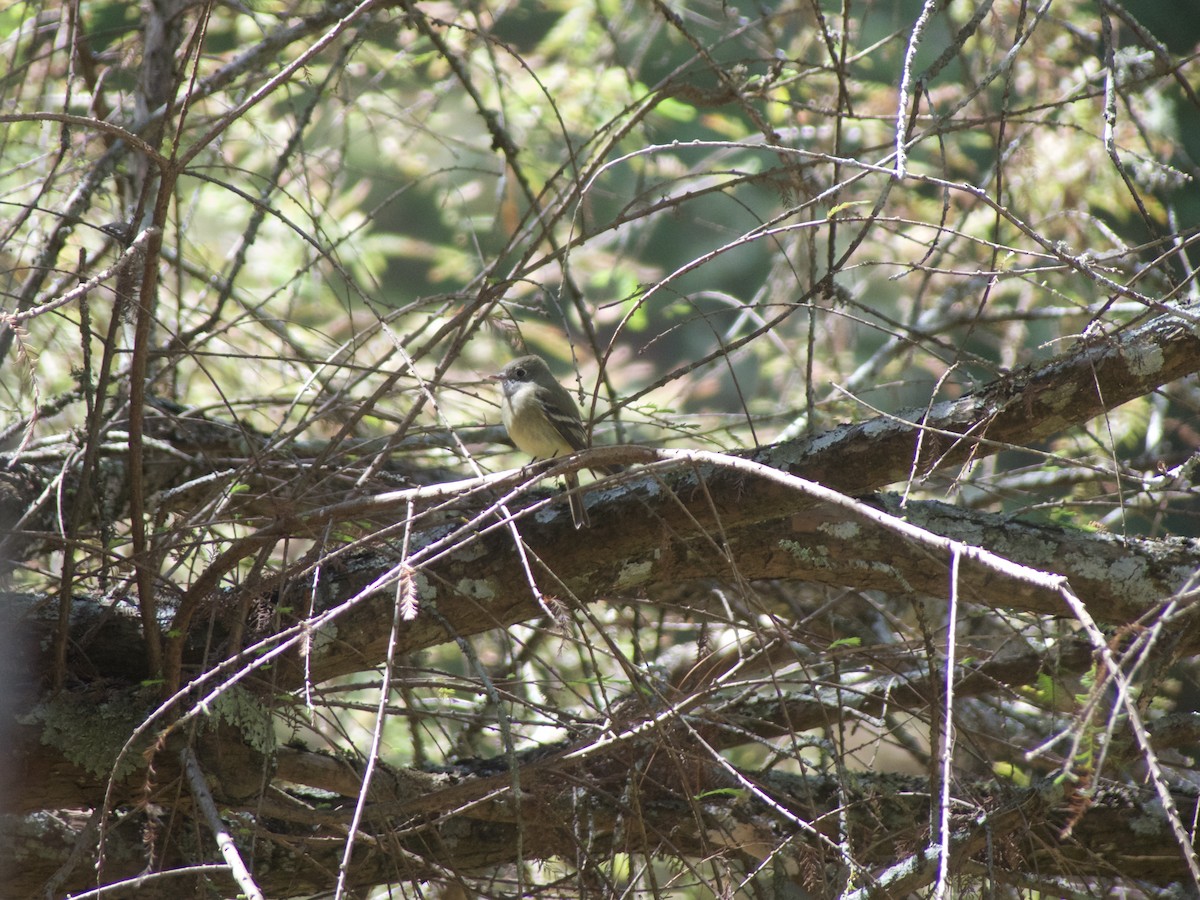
x=520 y=373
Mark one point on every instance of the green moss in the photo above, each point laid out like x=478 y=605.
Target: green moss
x=91 y=734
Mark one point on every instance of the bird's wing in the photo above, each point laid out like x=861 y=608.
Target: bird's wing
x=566 y=421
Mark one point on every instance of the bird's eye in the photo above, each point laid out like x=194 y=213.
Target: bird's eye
x=520 y=373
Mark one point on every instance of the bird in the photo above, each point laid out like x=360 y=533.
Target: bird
x=542 y=419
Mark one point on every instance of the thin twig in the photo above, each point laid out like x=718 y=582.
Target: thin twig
x=228 y=847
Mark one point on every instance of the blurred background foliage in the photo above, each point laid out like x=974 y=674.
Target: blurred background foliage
x=678 y=186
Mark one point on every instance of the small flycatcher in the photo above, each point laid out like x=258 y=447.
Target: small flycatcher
x=542 y=419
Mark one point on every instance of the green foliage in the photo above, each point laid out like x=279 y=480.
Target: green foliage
x=246 y=712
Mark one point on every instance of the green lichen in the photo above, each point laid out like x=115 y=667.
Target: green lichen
x=635 y=573
x=813 y=557
x=91 y=734
x=245 y=711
